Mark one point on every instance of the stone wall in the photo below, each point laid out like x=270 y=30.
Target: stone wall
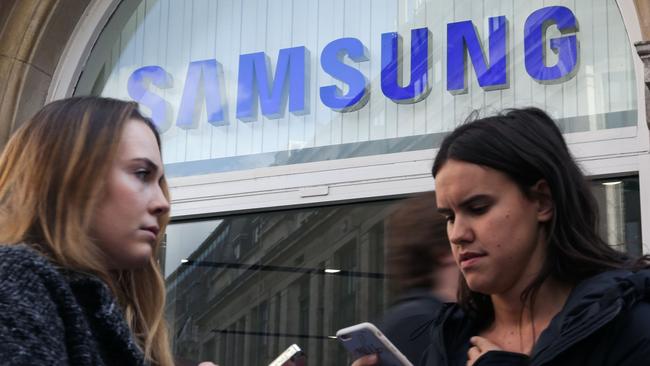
x=33 y=34
x=643 y=48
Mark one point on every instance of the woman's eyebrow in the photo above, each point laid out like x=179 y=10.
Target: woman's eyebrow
x=150 y=164
x=465 y=203
x=474 y=199
x=444 y=211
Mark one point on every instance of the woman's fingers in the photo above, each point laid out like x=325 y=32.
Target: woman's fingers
x=480 y=346
x=483 y=344
x=472 y=355
x=366 y=361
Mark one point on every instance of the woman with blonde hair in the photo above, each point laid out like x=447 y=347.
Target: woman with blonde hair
x=83 y=205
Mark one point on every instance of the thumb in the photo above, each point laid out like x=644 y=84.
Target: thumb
x=483 y=344
x=366 y=360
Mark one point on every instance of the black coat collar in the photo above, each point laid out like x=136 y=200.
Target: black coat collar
x=592 y=304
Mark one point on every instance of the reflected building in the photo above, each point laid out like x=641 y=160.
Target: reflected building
x=261 y=282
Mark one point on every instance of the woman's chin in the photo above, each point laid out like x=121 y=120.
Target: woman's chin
x=138 y=257
x=480 y=286
x=142 y=258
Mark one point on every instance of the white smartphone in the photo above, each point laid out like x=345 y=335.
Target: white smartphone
x=364 y=339
x=292 y=356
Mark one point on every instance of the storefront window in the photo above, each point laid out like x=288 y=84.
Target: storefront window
x=242 y=84
x=243 y=288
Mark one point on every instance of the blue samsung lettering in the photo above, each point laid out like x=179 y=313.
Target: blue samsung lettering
x=137 y=89
x=253 y=84
x=566 y=47
x=204 y=83
x=259 y=89
x=331 y=60
x=462 y=37
x=391 y=73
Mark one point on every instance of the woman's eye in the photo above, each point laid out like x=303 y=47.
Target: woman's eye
x=449 y=218
x=142 y=174
x=478 y=209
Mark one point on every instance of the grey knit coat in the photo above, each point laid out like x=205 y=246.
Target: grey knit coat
x=54 y=317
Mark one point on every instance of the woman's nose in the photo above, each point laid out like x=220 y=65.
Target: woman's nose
x=460 y=232
x=160 y=204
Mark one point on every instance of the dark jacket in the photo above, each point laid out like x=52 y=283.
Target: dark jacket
x=605 y=321
x=54 y=317
x=406 y=323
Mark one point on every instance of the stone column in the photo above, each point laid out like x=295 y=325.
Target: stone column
x=643 y=49
x=643 y=12
x=33 y=34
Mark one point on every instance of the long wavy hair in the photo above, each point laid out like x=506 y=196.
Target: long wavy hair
x=527 y=146
x=52 y=175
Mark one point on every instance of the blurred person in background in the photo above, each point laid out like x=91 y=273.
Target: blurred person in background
x=422 y=273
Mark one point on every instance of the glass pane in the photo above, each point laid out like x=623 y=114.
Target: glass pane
x=256 y=283
x=186 y=63
x=620 y=212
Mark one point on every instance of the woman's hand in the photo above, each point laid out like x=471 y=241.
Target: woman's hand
x=480 y=346
x=366 y=361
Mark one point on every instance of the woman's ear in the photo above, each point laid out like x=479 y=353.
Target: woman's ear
x=541 y=192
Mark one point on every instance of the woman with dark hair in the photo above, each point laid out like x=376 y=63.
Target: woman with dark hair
x=539 y=286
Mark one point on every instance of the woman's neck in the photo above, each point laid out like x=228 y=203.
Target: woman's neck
x=549 y=300
x=517 y=325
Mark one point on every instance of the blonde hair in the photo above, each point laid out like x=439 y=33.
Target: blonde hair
x=52 y=173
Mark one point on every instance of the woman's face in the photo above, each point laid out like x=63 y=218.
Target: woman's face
x=496 y=232
x=126 y=221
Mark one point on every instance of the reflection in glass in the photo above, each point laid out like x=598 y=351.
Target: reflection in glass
x=620 y=212
x=258 y=283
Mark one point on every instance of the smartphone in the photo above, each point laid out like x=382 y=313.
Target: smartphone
x=364 y=339
x=292 y=356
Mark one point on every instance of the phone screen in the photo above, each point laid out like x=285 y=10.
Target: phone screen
x=298 y=359
x=292 y=356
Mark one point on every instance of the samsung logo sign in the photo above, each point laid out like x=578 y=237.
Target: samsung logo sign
x=259 y=89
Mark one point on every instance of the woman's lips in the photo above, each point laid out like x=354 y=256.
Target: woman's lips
x=470 y=259
x=151 y=235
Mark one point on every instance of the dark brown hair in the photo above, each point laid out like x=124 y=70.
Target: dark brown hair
x=527 y=146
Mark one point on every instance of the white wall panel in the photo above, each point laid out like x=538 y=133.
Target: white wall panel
x=365 y=35
x=326 y=26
